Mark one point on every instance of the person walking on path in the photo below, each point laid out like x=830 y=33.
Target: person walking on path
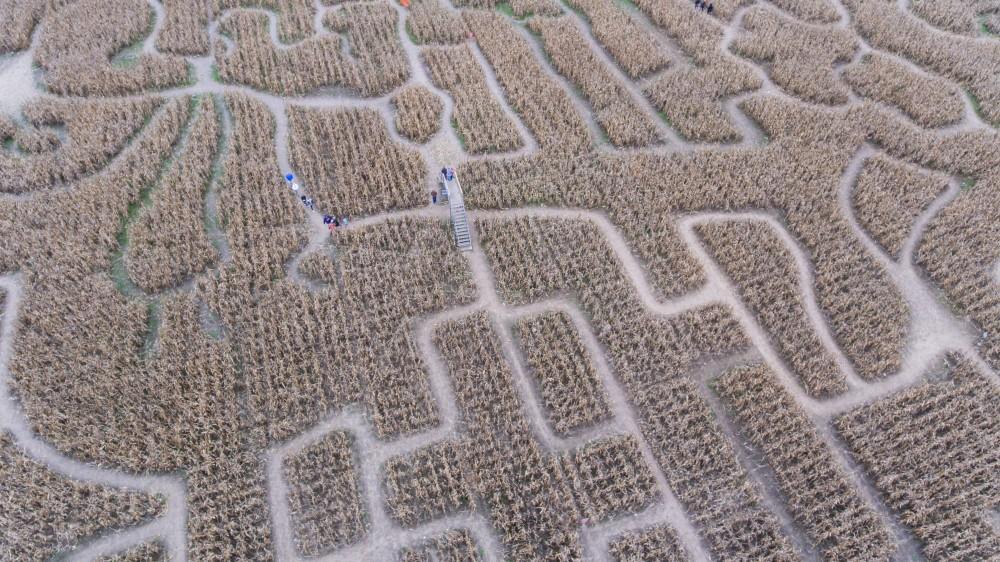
x=343 y=221
x=434 y=197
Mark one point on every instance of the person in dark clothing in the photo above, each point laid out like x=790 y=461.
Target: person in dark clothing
x=698 y=4
x=434 y=197
x=710 y=8
x=327 y=219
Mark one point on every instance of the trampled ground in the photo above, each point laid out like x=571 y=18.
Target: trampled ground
x=733 y=289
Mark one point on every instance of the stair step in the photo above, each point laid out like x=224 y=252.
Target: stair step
x=459 y=217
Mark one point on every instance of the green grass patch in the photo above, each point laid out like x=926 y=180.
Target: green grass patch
x=505 y=9
x=458 y=133
x=128 y=57
x=967 y=183
x=411 y=35
x=627 y=4
x=118 y=271
x=984 y=30
x=976 y=105
x=215 y=73
x=8 y=144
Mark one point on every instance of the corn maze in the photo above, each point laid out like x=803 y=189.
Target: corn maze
x=733 y=290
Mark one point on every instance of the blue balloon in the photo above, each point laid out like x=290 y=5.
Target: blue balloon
x=289 y=177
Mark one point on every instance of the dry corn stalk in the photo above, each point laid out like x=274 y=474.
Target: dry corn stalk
x=570 y=386
x=427 y=484
x=960 y=251
x=633 y=47
x=932 y=451
x=95 y=132
x=890 y=196
x=971 y=62
x=378 y=63
x=453 y=545
x=167 y=242
x=350 y=164
x=45 y=514
x=431 y=22
x=325 y=495
x=767 y=279
x=418 y=113
x=801 y=56
x=79 y=40
x=928 y=100
x=650 y=354
x=618 y=114
x=817 y=491
x=545 y=107
x=647 y=545
x=478 y=117
x=154 y=551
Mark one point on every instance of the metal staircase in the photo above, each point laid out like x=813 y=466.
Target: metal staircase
x=459 y=218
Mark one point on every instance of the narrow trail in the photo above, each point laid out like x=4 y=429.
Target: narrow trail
x=664 y=132
x=500 y=95
x=582 y=105
x=804 y=278
x=213 y=217
x=159 y=18
x=760 y=473
x=170 y=527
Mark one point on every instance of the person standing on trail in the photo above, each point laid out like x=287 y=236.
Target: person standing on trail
x=697 y=4
x=710 y=8
x=434 y=197
x=343 y=221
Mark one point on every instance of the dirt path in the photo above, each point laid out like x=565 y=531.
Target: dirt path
x=170 y=527
x=213 y=218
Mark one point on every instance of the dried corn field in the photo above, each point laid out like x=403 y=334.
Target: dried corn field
x=731 y=290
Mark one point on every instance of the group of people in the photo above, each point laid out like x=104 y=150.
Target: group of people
x=331 y=221
x=702 y=5
x=447 y=174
